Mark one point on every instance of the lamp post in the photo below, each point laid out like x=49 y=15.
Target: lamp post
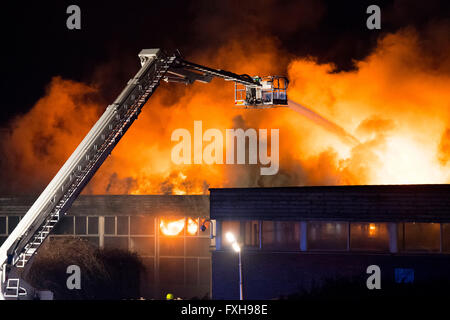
x=232 y=239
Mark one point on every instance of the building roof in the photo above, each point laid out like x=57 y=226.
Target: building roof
x=347 y=203
x=159 y=205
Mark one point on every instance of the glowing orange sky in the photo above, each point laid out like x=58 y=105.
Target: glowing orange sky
x=394 y=103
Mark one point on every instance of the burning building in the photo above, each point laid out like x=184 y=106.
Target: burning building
x=163 y=230
x=382 y=120
x=292 y=238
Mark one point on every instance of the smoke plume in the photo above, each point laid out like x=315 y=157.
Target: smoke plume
x=392 y=110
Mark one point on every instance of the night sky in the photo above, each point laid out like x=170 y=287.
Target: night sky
x=37 y=45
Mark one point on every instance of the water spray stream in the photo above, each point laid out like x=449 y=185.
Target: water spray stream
x=324 y=123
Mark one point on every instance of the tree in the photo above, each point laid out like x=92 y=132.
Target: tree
x=105 y=273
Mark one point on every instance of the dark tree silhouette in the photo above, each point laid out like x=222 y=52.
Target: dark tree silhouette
x=105 y=273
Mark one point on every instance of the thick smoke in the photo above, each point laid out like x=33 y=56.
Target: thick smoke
x=444 y=148
x=395 y=103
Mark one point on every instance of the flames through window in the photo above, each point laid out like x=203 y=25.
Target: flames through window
x=175 y=226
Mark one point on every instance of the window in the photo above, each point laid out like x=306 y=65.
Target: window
x=80 y=225
x=197 y=246
x=230 y=226
x=143 y=245
x=327 y=235
x=251 y=233
x=415 y=236
x=116 y=243
x=281 y=235
x=446 y=237
x=92 y=225
x=192 y=226
x=171 y=246
x=65 y=226
x=2 y=225
x=172 y=226
x=142 y=225
x=122 y=225
x=13 y=221
x=110 y=225
x=369 y=236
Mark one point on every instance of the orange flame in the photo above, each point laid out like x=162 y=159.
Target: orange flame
x=192 y=226
x=372 y=229
x=171 y=228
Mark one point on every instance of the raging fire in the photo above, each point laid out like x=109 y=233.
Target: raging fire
x=173 y=227
x=393 y=109
x=192 y=226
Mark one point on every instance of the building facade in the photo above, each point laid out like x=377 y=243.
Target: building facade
x=163 y=230
x=292 y=239
x=295 y=239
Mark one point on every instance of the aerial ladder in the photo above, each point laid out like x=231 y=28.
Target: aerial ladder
x=21 y=246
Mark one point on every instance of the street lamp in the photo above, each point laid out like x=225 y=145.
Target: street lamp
x=232 y=239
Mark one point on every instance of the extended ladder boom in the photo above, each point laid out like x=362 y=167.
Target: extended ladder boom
x=54 y=202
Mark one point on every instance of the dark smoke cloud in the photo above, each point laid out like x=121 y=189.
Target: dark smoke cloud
x=219 y=21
